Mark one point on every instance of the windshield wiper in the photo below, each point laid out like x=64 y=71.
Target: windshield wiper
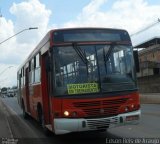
x=81 y=54
x=108 y=54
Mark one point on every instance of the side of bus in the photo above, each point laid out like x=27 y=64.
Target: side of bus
x=33 y=84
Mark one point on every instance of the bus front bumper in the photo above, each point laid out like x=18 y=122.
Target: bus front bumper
x=67 y=125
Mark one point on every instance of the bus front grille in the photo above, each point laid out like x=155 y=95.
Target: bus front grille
x=87 y=104
x=106 y=111
x=101 y=107
x=117 y=101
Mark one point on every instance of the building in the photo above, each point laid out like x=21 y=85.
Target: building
x=149 y=59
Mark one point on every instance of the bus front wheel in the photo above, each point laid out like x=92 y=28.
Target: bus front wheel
x=42 y=122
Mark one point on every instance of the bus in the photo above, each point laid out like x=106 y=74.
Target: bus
x=81 y=79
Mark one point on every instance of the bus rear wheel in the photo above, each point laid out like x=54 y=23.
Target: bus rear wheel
x=25 y=115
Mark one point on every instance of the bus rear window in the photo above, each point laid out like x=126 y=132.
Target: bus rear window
x=90 y=35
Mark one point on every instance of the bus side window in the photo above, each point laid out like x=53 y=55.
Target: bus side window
x=32 y=70
x=30 y=73
x=37 y=68
x=22 y=77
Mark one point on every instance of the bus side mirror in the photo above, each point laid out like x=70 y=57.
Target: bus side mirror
x=136 y=60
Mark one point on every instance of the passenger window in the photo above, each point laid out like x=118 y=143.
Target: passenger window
x=37 y=68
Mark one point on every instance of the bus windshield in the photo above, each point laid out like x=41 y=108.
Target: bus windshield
x=93 y=68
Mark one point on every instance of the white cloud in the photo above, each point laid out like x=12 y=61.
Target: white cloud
x=6 y=30
x=30 y=13
x=131 y=15
x=93 y=6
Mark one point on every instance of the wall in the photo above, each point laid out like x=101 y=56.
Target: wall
x=149 y=84
x=151 y=53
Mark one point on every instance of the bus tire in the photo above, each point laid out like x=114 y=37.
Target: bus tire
x=42 y=122
x=25 y=115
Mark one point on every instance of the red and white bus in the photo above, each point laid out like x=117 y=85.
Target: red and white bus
x=81 y=79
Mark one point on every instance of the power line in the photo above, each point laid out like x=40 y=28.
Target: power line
x=151 y=25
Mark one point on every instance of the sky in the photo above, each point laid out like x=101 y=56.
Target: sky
x=17 y=15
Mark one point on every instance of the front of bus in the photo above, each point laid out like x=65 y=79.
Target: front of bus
x=93 y=80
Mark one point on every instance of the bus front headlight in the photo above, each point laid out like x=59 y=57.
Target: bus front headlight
x=66 y=113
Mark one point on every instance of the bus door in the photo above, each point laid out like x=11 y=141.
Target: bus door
x=46 y=99
x=27 y=88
